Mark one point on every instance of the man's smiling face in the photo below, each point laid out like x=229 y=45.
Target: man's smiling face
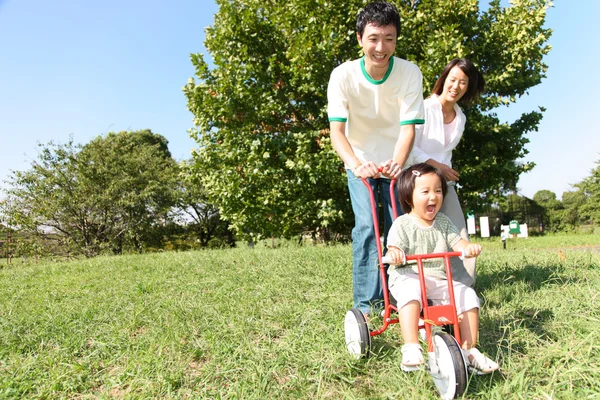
x=378 y=44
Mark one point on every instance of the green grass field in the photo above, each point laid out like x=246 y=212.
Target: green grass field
x=268 y=324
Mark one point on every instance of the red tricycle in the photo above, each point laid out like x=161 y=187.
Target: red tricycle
x=446 y=362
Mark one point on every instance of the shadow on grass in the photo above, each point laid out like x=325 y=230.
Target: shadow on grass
x=533 y=275
x=524 y=322
x=513 y=333
x=516 y=332
x=499 y=338
x=383 y=348
x=513 y=282
x=534 y=321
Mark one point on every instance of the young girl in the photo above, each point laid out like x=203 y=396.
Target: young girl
x=424 y=230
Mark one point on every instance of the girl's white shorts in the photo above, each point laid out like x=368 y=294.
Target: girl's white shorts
x=406 y=287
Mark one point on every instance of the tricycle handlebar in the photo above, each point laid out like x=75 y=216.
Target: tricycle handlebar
x=460 y=254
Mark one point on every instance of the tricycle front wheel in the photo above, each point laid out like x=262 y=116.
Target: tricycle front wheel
x=451 y=376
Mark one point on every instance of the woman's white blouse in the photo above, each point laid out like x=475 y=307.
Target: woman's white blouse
x=430 y=137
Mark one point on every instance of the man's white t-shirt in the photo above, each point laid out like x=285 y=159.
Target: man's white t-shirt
x=374 y=110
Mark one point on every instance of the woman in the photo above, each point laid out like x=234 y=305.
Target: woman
x=460 y=82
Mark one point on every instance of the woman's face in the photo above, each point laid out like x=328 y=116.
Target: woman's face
x=455 y=86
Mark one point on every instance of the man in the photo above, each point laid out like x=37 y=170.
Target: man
x=374 y=104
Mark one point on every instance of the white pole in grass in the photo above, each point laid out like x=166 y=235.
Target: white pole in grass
x=484 y=226
x=471 y=224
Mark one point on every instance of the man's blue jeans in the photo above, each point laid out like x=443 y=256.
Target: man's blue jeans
x=366 y=280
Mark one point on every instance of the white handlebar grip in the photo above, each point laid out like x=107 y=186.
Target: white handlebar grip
x=387 y=260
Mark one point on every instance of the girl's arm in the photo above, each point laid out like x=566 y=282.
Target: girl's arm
x=470 y=249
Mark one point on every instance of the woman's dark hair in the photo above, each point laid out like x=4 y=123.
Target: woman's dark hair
x=378 y=13
x=406 y=183
x=476 y=81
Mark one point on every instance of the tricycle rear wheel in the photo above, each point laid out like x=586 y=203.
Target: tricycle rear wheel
x=358 y=339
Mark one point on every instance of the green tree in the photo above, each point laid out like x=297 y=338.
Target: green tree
x=49 y=197
x=561 y=215
x=204 y=221
x=133 y=177
x=590 y=188
x=520 y=208
x=553 y=214
x=546 y=198
x=104 y=195
x=264 y=154
x=572 y=201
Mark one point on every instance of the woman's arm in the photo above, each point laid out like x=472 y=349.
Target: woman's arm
x=449 y=173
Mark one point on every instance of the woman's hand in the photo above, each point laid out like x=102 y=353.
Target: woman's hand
x=390 y=169
x=449 y=173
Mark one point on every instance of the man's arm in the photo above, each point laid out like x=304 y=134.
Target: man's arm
x=337 y=132
x=393 y=168
x=404 y=144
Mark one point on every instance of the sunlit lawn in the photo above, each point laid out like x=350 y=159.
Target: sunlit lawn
x=268 y=323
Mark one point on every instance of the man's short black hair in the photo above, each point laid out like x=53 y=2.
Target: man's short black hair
x=378 y=13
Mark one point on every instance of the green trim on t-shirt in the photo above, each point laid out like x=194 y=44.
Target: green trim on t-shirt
x=413 y=121
x=373 y=81
x=338 y=119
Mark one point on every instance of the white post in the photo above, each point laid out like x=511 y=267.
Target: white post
x=524 y=233
x=471 y=225
x=484 y=226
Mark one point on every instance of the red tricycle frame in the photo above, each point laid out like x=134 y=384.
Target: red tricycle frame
x=438 y=315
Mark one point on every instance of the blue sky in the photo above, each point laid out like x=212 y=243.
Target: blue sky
x=83 y=69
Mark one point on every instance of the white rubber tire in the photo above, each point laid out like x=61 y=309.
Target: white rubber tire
x=451 y=378
x=358 y=340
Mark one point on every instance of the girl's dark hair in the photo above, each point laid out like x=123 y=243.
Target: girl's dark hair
x=406 y=183
x=476 y=81
x=378 y=13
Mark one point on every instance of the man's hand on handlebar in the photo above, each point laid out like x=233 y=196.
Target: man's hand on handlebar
x=366 y=170
x=390 y=169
